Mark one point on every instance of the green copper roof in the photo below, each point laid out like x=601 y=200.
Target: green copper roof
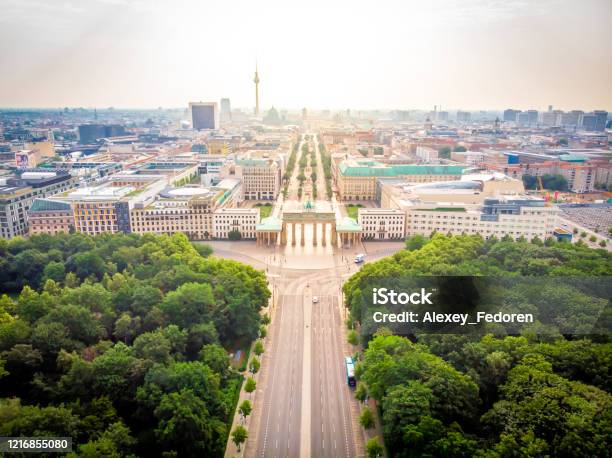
x=252 y=162
x=308 y=205
x=46 y=205
x=572 y=158
x=348 y=225
x=269 y=224
x=376 y=169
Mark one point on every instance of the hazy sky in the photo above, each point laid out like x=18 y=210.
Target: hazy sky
x=403 y=54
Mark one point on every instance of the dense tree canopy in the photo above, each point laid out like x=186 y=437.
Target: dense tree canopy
x=119 y=341
x=542 y=393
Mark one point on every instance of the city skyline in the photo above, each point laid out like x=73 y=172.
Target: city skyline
x=477 y=55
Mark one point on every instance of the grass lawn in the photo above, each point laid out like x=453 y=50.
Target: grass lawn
x=352 y=210
x=265 y=210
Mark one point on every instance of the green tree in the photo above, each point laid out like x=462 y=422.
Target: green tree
x=51 y=337
x=239 y=436
x=20 y=420
x=87 y=264
x=215 y=357
x=254 y=365
x=373 y=448
x=250 y=385
x=361 y=392
x=366 y=419
x=113 y=442
x=258 y=349
x=352 y=337
x=415 y=242
x=234 y=235
x=191 y=303
x=245 y=408
x=185 y=425
x=444 y=152
x=55 y=271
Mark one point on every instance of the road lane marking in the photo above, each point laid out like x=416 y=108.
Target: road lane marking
x=305 y=436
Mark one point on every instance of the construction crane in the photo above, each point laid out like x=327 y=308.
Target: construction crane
x=541 y=189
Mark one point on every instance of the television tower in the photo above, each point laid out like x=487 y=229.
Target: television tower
x=256 y=81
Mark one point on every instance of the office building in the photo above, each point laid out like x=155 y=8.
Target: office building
x=464 y=116
x=186 y=209
x=470 y=158
x=105 y=208
x=595 y=120
x=532 y=117
x=356 y=178
x=382 y=223
x=520 y=216
x=522 y=119
x=204 y=115
x=510 y=115
x=426 y=154
x=47 y=216
x=91 y=133
x=243 y=220
x=551 y=118
x=261 y=178
x=485 y=204
x=572 y=118
x=226 y=110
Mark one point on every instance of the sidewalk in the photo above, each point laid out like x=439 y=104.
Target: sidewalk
x=256 y=397
x=357 y=406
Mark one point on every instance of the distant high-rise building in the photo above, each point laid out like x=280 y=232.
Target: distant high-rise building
x=522 y=119
x=90 y=133
x=532 y=117
x=256 y=81
x=572 y=118
x=226 y=110
x=464 y=116
x=595 y=121
x=443 y=116
x=552 y=117
x=510 y=115
x=204 y=115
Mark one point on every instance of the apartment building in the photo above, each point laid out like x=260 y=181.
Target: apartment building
x=244 y=220
x=18 y=192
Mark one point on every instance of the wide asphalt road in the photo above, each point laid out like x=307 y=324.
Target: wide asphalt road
x=304 y=410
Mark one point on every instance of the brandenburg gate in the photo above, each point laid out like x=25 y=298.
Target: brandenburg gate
x=272 y=230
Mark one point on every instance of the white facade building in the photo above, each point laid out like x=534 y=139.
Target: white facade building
x=244 y=220
x=382 y=223
x=426 y=154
